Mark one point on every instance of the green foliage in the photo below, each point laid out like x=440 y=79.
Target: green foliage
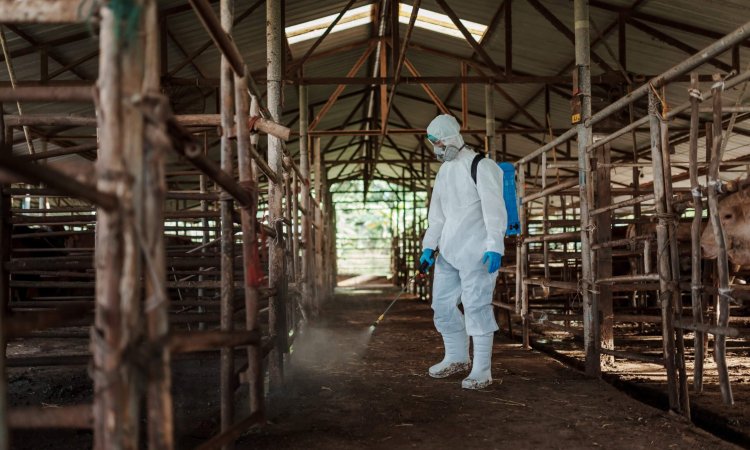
x=364 y=230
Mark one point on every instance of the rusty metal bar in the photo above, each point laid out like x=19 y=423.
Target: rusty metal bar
x=695 y=236
x=226 y=93
x=60 y=152
x=621 y=242
x=622 y=204
x=551 y=190
x=249 y=244
x=220 y=33
x=718 y=231
x=194 y=153
x=57 y=180
x=584 y=138
x=45 y=94
x=634 y=356
x=6 y=228
x=673 y=111
x=664 y=266
x=629 y=279
x=117 y=403
x=276 y=269
x=200 y=341
x=721 y=45
x=39 y=417
x=555 y=237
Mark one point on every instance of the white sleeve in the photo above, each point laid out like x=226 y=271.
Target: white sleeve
x=435 y=218
x=490 y=189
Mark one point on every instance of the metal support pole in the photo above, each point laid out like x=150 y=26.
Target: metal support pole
x=276 y=271
x=664 y=267
x=249 y=243
x=696 y=283
x=118 y=288
x=590 y=309
x=522 y=291
x=304 y=165
x=722 y=262
x=152 y=189
x=604 y=256
x=489 y=105
x=226 y=90
x=6 y=139
x=676 y=303
x=545 y=220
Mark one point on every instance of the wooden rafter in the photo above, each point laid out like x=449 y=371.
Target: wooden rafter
x=340 y=88
x=52 y=55
x=428 y=90
x=469 y=38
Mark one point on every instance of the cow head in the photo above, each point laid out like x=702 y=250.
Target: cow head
x=734 y=213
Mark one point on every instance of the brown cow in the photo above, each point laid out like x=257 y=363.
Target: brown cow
x=734 y=214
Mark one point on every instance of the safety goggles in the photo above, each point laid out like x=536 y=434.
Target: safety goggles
x=434 y=141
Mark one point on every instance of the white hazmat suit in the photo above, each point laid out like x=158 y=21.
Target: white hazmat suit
x=465 y=221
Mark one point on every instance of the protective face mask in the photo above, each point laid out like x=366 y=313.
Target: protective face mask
x=450 y=152
x=443 y=152
x=439 y=153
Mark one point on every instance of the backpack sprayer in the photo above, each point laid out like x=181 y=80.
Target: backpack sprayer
x=422 y=272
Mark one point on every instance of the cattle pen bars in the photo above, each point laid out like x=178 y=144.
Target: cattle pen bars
x=585 y=249
x=145 y=230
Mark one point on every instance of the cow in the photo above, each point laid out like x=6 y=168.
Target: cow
x=734 y=214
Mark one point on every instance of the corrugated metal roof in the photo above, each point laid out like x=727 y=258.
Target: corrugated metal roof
x=538 y=48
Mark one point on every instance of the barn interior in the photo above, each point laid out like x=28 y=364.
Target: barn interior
x=204 y=205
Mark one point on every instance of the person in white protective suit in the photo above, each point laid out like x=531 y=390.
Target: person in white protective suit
x=467 y=223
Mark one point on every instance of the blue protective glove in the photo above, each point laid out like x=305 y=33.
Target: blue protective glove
x=495 y=260
x=427 y=257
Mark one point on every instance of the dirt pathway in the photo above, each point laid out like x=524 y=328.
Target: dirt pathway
x=347 y=390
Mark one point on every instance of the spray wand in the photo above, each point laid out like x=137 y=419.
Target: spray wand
x=422 y=272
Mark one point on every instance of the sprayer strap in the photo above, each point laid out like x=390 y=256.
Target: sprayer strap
x=474 y=165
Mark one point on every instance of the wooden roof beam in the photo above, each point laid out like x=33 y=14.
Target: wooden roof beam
x=340 y=88
x=469 y=38
x=52 y=55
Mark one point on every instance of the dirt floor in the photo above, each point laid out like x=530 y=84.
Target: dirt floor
x=707 y=406
x=349 y=389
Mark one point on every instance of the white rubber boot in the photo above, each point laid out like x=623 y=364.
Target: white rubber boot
x=481 y=373
x=456 y=356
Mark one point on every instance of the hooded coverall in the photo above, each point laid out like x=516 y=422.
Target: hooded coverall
x=465 y=220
